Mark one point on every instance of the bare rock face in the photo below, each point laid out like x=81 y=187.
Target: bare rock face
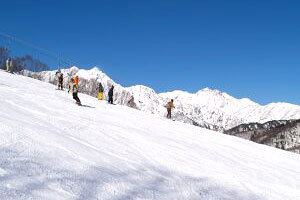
x=282 y=134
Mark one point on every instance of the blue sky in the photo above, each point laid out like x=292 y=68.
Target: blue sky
x=245 y=48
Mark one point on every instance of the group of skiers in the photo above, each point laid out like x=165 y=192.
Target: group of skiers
x=72 y=85
x=73 y=89
x=110 y=93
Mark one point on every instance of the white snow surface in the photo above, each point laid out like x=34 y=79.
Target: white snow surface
x=53 y=149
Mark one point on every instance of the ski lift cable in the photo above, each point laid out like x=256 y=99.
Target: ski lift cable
x=36 y=48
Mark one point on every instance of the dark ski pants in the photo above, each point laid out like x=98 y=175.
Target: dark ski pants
x=110 y=100
x=60 y=85
x=75 y=96
x=169 y=113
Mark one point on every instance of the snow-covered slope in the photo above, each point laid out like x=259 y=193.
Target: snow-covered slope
x=53 y=149
x=206 y=108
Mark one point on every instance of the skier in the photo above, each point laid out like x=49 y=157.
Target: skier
x=9 y=65
x=170 y=106
x=110 y=95
x=60 y=78
x=70 y=82
x=131 y=102
x=100 y=92
x=73 y=88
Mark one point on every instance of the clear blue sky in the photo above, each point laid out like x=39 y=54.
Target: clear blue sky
x=245 y=48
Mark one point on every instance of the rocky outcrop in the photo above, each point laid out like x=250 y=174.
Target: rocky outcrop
x=282 y=134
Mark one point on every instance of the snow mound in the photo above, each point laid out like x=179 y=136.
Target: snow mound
x=53 y=149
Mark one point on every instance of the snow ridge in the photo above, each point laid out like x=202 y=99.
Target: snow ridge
x=207 y=108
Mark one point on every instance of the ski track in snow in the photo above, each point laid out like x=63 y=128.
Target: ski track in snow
x=53 y=149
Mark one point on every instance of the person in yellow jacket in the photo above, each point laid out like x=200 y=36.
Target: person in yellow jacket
x=100 y=92
x=170 y=106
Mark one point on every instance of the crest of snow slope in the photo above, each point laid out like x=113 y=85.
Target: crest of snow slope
x=88 y=75
x=207 y=108
x=54 y=149
x=145 y=97
x=94 y=73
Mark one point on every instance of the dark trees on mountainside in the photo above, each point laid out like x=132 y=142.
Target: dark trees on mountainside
x=23 y=62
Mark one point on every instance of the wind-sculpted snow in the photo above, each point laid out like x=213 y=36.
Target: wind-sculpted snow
x=50 y=148
x=207 y=108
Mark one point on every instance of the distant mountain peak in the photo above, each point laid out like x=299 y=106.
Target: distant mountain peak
x=207 y=89
x=73 y=68
x=95 y=69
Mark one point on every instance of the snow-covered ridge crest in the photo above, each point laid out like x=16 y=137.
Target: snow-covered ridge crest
x=208 y=108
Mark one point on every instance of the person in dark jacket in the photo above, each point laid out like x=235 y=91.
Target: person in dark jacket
x=60 y=78
x=100 y=92
x=110 y=95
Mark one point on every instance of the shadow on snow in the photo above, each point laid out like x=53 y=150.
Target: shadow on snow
x=31 y=174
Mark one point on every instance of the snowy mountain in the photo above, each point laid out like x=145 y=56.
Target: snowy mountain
x=53 y=149
x=207 y=108
x=282 y=134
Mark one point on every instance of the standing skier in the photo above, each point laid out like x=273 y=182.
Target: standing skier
x=9 y=65
x=68 y=81
x=73 y=88
x=110 y=95
x=170 y=106
x=60 y=78
x=100 y=92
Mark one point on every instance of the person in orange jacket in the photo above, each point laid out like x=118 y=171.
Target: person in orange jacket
x=76 y=80
x=170 y=106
